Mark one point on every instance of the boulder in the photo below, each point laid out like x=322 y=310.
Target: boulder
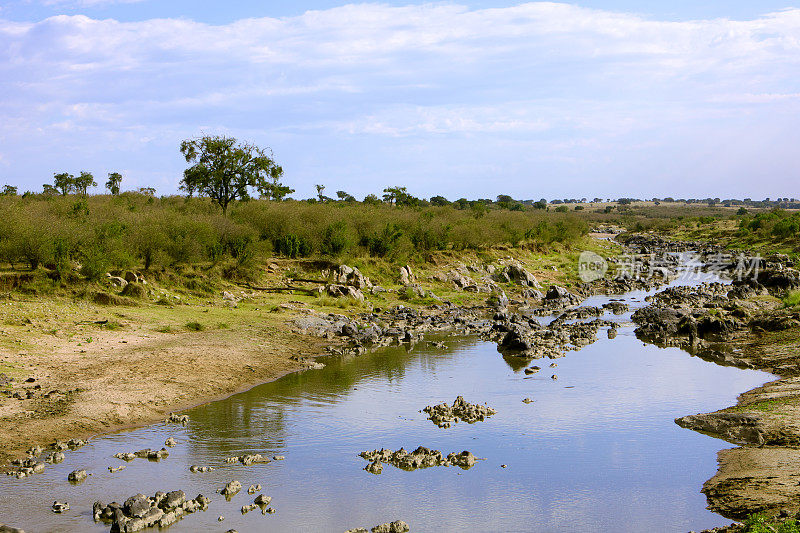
x=231 y=489
x=136 y=506
x=398 y=526
x=517 y=273
x=407 y=275
x=76 y=476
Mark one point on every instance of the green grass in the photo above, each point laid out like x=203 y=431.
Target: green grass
x=195 y=326
x=761 y=523
x=768 y=406
x=792 y=299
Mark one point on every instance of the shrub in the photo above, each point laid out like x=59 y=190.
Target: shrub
x=292 y=246
x=334 y=239
x=195 y=326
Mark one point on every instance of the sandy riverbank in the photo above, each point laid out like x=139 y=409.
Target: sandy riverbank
x=85 y=379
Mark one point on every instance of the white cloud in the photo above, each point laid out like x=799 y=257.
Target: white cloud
x=564 y=82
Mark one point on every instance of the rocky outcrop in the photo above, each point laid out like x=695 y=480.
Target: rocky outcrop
x=420 y=458
x=739 y=428
x=443 y=415
x=141 y=512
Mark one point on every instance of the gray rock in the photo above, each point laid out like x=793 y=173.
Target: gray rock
x=262 y=500
x=76 y=476
x=136 y=506
x=398 y=526
x=60 y=507
x=174 y=499
x=231 y=489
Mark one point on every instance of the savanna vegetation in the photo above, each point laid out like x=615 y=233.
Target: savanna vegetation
x=89 y=235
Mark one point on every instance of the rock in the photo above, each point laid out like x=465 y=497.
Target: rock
x=420 y=458
x=171 y=442
x=516 y=272
x=250 y=507
x=397 y=526
x=117 y=281
x=498 y=300
x=739 y=428
x=116 y=469
x=532 y=370
x=561 y=296
x=157 y=455
x=407 y=276
x=60 y=507
x=55 y=457
x=203 y=501
x=532 y=294
x=175 y=418
x=345 y=291
x=527 y=400
x=253 y=489
x=262 y=500
x=8 y=529
x=76 y=476
x=350 y=276
x=130 y=456
x=173 y=499
x=374 y=467
x=442 y=415
x=136 y=506
x=231 y=489
x=278 y=458
x=357 y=530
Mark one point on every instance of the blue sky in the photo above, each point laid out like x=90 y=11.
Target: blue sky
x=475 y=99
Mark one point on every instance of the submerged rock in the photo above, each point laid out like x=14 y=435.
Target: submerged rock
x=76 y=476
x=60 y=507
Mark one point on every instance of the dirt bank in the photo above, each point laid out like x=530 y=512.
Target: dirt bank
x=132 y=367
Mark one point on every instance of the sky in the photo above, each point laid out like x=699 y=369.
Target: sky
x=462 y=99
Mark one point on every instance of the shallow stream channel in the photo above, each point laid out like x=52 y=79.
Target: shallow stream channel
x=596 y=450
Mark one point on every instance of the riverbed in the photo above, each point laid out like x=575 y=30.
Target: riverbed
x=597 y=449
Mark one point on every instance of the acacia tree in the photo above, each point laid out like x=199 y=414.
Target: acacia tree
x=225 y=170
x=83 y=182
x=113 y=183
x=64 y=183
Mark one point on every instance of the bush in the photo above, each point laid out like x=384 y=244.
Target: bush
x=334 y=240
x=195 y=326
x=292 y=246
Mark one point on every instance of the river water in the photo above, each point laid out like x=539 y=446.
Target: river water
x=597 y=450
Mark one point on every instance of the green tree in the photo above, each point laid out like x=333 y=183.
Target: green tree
x=114 y=180
x=225 y=170
x=83 y=182
x=320 y=189
x=392 y=194
x=371 y=199
x=9 y=190
x=345 y=197
x=64 y=183
x=439 y=201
